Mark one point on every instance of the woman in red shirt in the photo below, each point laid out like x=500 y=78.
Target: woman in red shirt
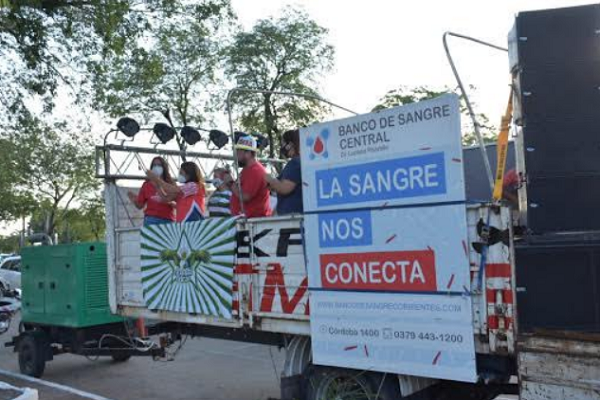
x=189 y=197
x=150 y=198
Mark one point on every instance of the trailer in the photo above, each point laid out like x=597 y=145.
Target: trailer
x=65 y=309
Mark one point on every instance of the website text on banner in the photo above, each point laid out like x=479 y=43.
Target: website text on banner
x=386 y=242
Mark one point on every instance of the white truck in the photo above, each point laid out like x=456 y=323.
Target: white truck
x=392 y=284
x=274 y=300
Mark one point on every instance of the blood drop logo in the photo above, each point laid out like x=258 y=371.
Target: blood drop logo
x=318 y=145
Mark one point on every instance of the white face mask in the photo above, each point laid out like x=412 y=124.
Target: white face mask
x=217 y=182
x=181 y=179
x=158 y=170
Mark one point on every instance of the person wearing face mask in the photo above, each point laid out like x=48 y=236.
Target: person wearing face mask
x=288 y=185
x=219 y=201
x=156 y=209
x=189 y=196
x=254 y=191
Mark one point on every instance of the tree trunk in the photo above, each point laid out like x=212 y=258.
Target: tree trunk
x=182 y=143
x=269 y=124
x=49 y=223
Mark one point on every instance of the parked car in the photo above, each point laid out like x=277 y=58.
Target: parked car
x=6 y=255
x=10 y=272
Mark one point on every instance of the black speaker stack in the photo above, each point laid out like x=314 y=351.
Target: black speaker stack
x=555 y=63
x=555 y=60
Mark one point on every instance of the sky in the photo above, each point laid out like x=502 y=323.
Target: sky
x=383 y=44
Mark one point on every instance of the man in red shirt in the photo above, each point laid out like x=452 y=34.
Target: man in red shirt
x=255 y=192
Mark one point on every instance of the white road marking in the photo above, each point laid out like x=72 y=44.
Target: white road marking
x=53 y=385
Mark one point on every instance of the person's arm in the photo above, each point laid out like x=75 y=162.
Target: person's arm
x=236 y=190
x=139 y=200
x=283 y=186
x=290 y=178
x=134 y=198
x=167 y=191
x=249 y=188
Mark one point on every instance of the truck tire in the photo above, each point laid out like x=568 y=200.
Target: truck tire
x=119 y=358
x=32 y=350
x=325 y=383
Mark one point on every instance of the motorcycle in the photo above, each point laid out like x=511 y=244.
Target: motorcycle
x=10 y=303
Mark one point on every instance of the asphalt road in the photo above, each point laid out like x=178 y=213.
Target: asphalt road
x=204 y=369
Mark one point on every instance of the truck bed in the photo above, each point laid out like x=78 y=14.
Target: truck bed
x=270 y=285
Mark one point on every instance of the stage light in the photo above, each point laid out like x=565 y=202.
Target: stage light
x=218 y=138
x=261 y=141
x=163 y=132
x=238 y=134
x=128 y=126
x=190 y=135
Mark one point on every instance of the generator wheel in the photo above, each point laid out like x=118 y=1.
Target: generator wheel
x=344 y=384
x=32 y=354
x=119 y=358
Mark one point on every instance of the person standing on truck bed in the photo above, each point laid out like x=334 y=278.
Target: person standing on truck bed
x=288 y=185
x=510 y=188
x=189 y=197
x=156 y=209
x=219 y=202
x=254 y=190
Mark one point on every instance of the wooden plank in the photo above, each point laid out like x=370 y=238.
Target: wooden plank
x=560 y=368
x=538 y=343
x=542 y=391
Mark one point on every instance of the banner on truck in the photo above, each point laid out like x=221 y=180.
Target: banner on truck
x=393 y=249
x=406 y=155
x=386 y=242
x=188 y=267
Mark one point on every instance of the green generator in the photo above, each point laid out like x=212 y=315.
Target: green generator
x=66 y=285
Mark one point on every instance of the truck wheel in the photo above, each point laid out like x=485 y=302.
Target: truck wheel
x=32 y=354
x=119 y=358
x=345 y=384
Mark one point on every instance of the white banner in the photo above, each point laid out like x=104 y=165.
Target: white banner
x=386 y=242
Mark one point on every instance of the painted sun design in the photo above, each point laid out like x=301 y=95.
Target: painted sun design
x=189 y=267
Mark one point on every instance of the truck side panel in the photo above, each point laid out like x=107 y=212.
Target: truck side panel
x=270 y=287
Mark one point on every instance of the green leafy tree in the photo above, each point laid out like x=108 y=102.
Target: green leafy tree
x=406 y=95
x=10 y=243
x=83 y=223
x=169 y=74
x=54 y=166
x=289 y=53
x=50 y=44
x=15 y=202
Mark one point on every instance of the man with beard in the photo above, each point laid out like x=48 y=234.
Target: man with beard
x=254 y=189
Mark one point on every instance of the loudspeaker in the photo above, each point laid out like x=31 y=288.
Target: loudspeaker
x=555 y=61
x=558 y=286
